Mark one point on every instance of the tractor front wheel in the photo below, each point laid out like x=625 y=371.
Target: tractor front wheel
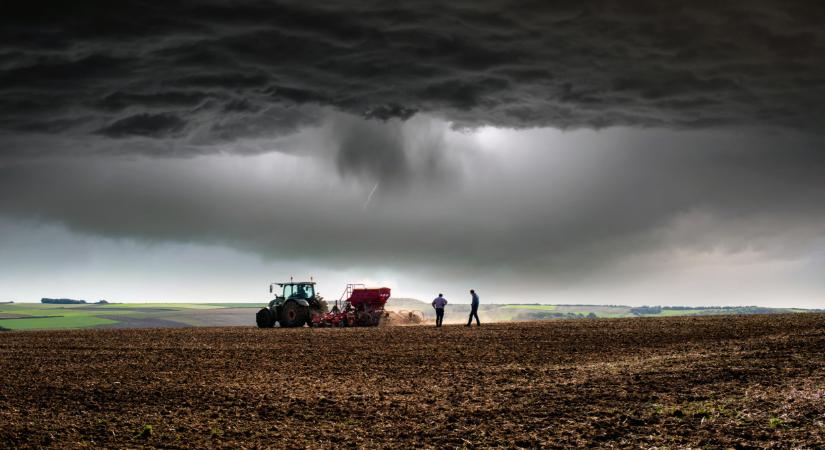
x=293 y=315
x=264 y=318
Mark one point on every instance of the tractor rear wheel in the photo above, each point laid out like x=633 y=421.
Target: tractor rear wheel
x=293 y=315
x=264 y=318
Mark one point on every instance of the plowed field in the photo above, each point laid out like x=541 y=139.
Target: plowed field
x=737 y=381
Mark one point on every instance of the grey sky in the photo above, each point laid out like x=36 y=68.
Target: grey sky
x=598 y=152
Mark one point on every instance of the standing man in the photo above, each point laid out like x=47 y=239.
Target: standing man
x=473 y=309
x=439 y=303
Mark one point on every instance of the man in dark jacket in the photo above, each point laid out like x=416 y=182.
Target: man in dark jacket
x=473 y=309
x=439 y=303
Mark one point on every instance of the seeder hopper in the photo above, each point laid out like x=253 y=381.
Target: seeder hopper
x=359 y=306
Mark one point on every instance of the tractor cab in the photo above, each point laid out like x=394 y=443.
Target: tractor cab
x=300 y=290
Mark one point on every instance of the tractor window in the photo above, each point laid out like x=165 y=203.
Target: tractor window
x=288 y=289
x=309 y=290
x=303 y=291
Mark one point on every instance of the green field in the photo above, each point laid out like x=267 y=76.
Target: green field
x=59 y=322
x=34 y=316
x=158 y=305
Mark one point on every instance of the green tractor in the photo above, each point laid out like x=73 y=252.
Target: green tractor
x=295 y=306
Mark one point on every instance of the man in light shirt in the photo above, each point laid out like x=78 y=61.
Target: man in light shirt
x=439 y=303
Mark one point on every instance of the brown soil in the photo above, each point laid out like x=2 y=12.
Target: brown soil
x=716 y=382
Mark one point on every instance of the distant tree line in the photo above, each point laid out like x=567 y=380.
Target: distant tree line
x=68 y=301
x=61 y=301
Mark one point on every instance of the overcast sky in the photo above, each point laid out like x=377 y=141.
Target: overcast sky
x=627 y=152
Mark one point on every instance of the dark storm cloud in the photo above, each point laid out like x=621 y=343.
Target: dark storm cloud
x=150 y=125
x=120 y=100
x=392 y=153
x=570 y=206
x=390 y=111
x=374 y=151
x=515 y=64
x=713 y=114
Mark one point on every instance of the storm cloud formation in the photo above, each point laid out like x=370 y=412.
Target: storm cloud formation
x=206 y=72
x=564 y=145
x=581 y=206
